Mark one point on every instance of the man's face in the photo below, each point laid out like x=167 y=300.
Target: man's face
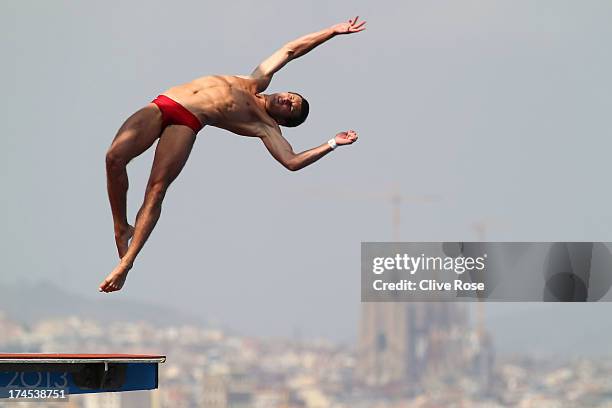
x=284 y=105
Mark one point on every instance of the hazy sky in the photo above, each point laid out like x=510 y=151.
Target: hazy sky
x=500 y=107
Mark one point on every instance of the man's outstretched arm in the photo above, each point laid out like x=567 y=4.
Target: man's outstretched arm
x=282 y=151
x=296 y=48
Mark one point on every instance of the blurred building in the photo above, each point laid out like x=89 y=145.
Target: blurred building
x=214 y=392
x=234 y=390
x=399 y=343
x=131 y=399
x=9 y=330
x=144 y=399
x=105 y=400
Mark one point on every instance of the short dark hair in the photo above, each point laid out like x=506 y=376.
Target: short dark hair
x=305 y=108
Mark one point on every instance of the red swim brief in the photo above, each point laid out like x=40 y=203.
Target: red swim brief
x=173 y=113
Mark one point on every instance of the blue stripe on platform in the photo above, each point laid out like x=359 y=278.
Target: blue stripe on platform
x=138 y=376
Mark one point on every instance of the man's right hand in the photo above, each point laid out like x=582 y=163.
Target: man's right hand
x=350 y=27
x=346 y=138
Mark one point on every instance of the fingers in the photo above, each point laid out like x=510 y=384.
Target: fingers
x=354 y=27
x=359 y=27
x=348 y=137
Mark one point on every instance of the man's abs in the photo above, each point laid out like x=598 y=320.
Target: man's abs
x=217 y=100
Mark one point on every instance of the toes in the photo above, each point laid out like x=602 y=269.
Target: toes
x=111 y=286
x=106 y=285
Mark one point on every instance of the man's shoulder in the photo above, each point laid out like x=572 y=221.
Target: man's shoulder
x=259 y=83
x=269 y=129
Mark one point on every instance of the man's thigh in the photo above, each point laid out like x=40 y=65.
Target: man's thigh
x=171 y=154
x=138 y=132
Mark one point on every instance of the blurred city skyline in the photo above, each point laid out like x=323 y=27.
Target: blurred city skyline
x=211 y=368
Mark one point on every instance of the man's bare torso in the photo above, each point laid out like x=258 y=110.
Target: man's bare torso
x=227 y=102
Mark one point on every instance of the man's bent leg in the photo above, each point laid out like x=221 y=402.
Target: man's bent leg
x=170 y=157
x=135 y=136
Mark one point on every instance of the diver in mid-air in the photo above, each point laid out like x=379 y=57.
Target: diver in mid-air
x=235 y=103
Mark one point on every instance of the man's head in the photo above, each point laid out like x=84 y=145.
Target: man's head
x=287 y=108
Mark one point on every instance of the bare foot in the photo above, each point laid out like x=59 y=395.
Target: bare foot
x=115 y=280
x=122 y=238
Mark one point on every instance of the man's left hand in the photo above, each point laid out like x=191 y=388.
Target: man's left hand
x=346 y=138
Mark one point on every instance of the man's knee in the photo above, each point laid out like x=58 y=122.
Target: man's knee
x=156 y=191
x=115 y=160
